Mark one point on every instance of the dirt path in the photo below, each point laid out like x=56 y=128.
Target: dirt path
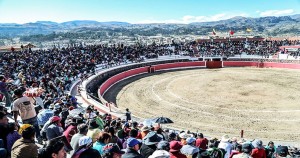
x=265 y=103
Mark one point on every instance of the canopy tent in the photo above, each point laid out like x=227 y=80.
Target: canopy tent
x=29 y=45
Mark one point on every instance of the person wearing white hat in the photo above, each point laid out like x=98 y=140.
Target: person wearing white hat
x=160 y=154
x=183 y=136
x=224 y=144
x=85 y=143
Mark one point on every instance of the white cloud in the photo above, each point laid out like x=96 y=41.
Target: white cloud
x=277 y=12
x=189 y=18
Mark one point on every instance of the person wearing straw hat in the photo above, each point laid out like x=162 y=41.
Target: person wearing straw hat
x=224 y=144
x=25 y=147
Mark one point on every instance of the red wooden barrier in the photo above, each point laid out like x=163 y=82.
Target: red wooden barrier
x=239 y=63
x=214 y=64
x=132 y=72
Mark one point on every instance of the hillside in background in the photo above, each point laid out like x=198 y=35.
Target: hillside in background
x=47 y=30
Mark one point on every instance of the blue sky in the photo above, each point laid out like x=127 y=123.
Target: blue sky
x=141 y=11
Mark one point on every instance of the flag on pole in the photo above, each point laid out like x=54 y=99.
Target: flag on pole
x=214 y=32
x=231 y=32
x=249 y=30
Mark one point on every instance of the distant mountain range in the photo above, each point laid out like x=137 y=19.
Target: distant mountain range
x=274 y=26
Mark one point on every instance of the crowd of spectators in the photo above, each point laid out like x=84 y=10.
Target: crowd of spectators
x=33 y=84
x=81 y=136
x=263 y=48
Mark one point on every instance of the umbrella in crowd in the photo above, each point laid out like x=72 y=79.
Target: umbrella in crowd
x=148 y=122
x=162 y=120
x=44 y=115
x=76 y=112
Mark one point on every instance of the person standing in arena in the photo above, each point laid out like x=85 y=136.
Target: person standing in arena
x=128 y=115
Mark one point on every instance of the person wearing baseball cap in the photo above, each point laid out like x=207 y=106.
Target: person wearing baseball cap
x=55 y=129
x=85 y=143
x=112 y=150
x=132 y=149
x=190 y=149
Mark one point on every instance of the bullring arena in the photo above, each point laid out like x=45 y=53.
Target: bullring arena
x=264 y=102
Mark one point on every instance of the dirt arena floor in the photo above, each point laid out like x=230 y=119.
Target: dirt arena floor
x=265 y=103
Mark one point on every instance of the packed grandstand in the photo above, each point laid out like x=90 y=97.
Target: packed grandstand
x=41 y=117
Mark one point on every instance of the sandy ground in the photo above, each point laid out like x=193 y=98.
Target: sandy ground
x=265 y=103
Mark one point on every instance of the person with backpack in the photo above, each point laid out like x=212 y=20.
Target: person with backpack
x=213 y=151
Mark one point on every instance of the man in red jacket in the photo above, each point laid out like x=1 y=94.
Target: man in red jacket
x=175 y=147
x=201 y=142
x=258 y=151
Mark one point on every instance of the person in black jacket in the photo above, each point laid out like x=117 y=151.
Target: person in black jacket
x=132 y=149
x=149 y=144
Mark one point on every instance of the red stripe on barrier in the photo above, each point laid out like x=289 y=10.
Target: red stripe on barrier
x=239 y=63
x=133 y=72
x=121 y=76
x=177 y=65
